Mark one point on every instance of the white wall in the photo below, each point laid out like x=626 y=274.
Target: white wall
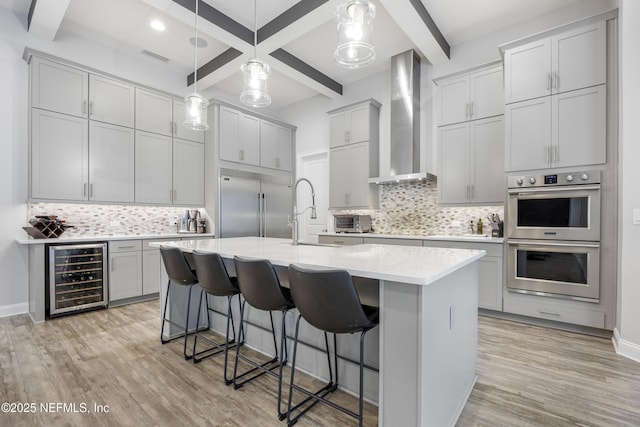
x=627 y=335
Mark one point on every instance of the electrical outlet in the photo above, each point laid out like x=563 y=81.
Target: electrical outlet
x=115 y=223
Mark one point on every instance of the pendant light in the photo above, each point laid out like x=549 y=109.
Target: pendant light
x=195 y=104
x=355 y=26
x=255 y=73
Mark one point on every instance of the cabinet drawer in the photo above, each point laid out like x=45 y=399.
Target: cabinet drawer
x=147 y=242
x=125 y=245
x=392 y=241
x=341 y=240
x=492 y=249
x=552 y=309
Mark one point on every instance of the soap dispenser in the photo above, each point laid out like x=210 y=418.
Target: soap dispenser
x=479 y=226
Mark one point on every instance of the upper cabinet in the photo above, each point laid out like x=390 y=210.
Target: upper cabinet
x=354 y=124
x=470 y=96
x=59 y=88
x=179 y=129
x=276 y=146
x=111 y=101
x=572 y=60
x=154 y=112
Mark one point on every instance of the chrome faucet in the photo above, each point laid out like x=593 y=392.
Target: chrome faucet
x=294 y=221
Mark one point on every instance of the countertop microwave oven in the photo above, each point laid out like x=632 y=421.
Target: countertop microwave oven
x=352 y=223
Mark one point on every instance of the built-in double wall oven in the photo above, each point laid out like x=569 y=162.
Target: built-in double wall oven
x=553 y=235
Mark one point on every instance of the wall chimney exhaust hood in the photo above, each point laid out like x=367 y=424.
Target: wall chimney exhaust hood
x=405 y=120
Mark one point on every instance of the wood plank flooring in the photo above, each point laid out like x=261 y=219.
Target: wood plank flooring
x=528 y=376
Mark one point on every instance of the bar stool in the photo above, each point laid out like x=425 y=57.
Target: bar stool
x=214 y=280
x=328 y=300
x=261 y=288
x=180 y=274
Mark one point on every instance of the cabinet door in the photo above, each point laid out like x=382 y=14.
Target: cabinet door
x=249 y=139
x=179 y=129
x=579 y=125
x=151 y=279
x=528 y=134
x=111 y=163
x=268 y=144
x=358 y=166
x=338 y=129
x=453 y=101
x=285 y=149
x=154 y=112
x=339 y=177
x=59 y=156
x=487 y=160
x=490 y=283
x=59 y=88
x=527 y=71
x=453 y=162
x=229 y=134
x=153 y=161
x=580 y=58
x=486 y=93
x=358 y=125
x=188 y=172
x=111 y=101
x=125 y=275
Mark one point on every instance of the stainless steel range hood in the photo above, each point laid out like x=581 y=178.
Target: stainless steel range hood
x=405 y=120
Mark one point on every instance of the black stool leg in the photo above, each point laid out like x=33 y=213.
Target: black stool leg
x=195 y=336
x=283 y=361
x=164 y=313
x=186 y=326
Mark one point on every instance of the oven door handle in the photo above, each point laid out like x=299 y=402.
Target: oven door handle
x=539 y=190
x=552 y=243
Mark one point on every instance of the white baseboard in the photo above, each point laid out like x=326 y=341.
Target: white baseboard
x=13 y=309
x=625 y=348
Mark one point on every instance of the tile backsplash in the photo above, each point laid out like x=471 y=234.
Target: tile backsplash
x=411 y=208
x=111 y=220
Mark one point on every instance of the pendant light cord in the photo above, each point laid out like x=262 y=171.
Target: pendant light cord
x=195 y=44
x=255 y=25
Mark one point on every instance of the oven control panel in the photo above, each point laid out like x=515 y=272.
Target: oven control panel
x=554 y=179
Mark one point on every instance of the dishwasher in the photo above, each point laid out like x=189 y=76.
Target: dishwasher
x=77 y=278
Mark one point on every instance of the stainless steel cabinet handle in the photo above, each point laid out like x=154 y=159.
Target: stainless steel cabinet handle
x=84 y=189
x=550 y=313
x=126 y=246
x=175 y=128
x=170 y=127
x=556 y=154
x=91 y=108
x=90 y=190
x=471 y=110
x=241 y=153
x=546 y=153
x=556 y=83
x=549 y=83
x=84 y=107
x=473 y=192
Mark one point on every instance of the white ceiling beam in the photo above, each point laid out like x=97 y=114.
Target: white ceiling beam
x=429 y=41
x=46 y=16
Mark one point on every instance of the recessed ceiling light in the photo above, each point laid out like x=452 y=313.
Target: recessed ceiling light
x=157 y=25
x=198 y=43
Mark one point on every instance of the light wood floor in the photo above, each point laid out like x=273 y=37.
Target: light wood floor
x=528 y=376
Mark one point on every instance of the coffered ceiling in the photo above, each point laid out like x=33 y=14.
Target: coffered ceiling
x=295 y=37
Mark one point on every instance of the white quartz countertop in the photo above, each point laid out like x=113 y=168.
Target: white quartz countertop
x=463 y=238
x=94 y=238
x=414 y=265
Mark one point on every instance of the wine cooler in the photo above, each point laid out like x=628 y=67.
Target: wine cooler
x=77 y=278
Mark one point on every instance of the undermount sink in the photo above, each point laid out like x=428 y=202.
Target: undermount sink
x=329 y=245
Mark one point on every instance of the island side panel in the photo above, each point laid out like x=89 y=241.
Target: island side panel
x=37 y=282
x=449 y=343
x=428 y=351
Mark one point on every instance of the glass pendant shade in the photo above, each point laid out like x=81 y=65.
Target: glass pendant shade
x=355 y=26
x=256 y=74
x=196 y=112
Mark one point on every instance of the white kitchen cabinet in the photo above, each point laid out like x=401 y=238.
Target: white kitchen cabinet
x=568 y=129
x=111 y=163
x=348 y=177
x=354 y=124
x=111 y=101
x=568 y=61
x=188 y=173
x=151 y=268
x=179 y=129
x=239 y=137
x=154 y=165
x=489 y=270
x=60 y=88
x=340 y=240
x=470 y=96
x=125 y=269
x=59 y=156
x=471 y=162
x=276 y=146
x=154 y=112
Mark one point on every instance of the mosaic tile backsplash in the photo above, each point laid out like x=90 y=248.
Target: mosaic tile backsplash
x=412 y=208
x=112 y=220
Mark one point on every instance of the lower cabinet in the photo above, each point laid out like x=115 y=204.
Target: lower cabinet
x=151 y=268
x=490 y=270
x=340 y=240
x=125 y=269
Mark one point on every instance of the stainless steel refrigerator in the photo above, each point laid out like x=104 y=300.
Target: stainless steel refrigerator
x=254 y=205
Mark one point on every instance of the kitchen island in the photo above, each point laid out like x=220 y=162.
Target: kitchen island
x=428 y=317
